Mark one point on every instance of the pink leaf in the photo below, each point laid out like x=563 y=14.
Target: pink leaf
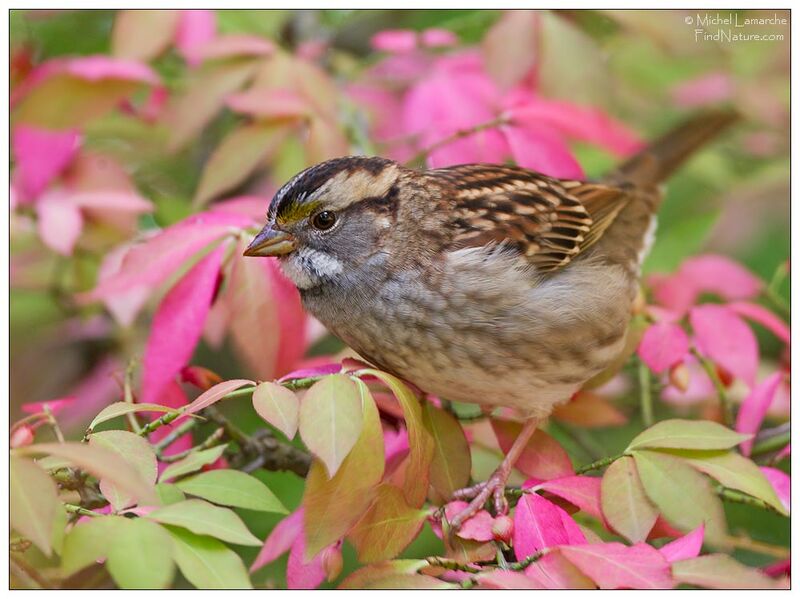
x=506 y=579
x=581 y=491
x=280 y=539
x=272 y=104
x=438 y=38
x=94 y=391
x=301 y=575
x=59 y=222
x=554 y=571
x=662 y=346
x=542 y=457
x=54 y=405
x=178 y=324
x=538 y=524
x=124 y=201
x=195 y=28
x=722 y=336
x=781 y=482
x=123 y=306
x=708 y=273
x=542 y=149
x=615 y=566
x=231 y=46
x=100 y=67
x=154 y=261
x=216 y=393
x=477 y=528
x=314 y=371
x=754 y=408
x=762 y=316
x=573 y=121
x=711 y=88
x=394 y=40
x=40 y=156
x=291 y=316
x=686 y=547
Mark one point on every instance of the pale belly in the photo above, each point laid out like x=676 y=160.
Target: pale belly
x=489 y=337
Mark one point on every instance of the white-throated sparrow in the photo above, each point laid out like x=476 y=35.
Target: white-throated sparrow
x=478 y=283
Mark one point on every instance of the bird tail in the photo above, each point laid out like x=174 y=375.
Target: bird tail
x=663 y=156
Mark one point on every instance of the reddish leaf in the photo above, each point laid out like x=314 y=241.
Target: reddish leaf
x=615 y=566
x=437 y=38
x=154 y=261
x=542 y=458
x=301 y=574
x=719 y=571
x=754 y=408
x=195 y=28
x=395 y=574
x=233 y=45
x=590 y=410
x=314 y=371
x=387 y=527
x=214 y=394
x=581 y=491
x=686 y=547
x=269 y=105
x=333 y=506
x=509 y=64
x=710 y=88
x=476 y=528
x=554 y=571
x=506 y=579
x=40 y=156
x=178 y=324
x=722 y=336
x=539 y=524
x=59 y=222
x=781 y=483
x=762 y=316
x=277 y=405
x=280 y=539
x=541 y=149
x=662 y=346
x=394 y=40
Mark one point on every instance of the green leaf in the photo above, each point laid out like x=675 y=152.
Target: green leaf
x=387 y=527
x=136 y=451
x=278 y=406
x=331 y=419
x=624 y=502
x=140 y=556
x=59 y=529
x=234 y=488
x=420 y=439
x=88 y=542
x=396 y=574
x=451 y=463
x=734 y=471
x=333 y=506
x=193 y=462
x=204 y=518
x=207 y=563
x=238 y=155
x=121 y=408
x=33 y=502
x=720 y=571
x=102 y=463
x=683 y=496
x=687 y=434
x=168 y=494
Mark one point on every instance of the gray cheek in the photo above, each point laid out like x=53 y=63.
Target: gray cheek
x=308 y=267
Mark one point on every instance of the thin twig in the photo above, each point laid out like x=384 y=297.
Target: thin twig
x=722 y=393
x=211 y=441
x=51 y=420
x=175 y=434
x=128 y=396
x=460 y=134
x=645 y=395
x=76 y=509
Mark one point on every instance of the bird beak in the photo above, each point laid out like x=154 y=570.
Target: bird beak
x=270 y=242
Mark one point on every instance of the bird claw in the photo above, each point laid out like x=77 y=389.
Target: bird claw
x=478 y=495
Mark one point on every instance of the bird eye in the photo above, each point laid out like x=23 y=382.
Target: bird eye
x=323 y=220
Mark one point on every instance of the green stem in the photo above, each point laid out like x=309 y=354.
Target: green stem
x=179 y=431
x=602 y=463
x=212 y=440
x=645 y=395
x=770 y=440
x=734 y=496
x=76 y=509
x=128 y=396
x=722 y=393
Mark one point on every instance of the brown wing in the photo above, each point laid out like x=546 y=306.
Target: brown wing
x=549 y=221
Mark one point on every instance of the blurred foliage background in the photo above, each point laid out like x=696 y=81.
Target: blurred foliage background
x=644 y=68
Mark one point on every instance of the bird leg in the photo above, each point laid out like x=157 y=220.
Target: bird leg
x=495 y=486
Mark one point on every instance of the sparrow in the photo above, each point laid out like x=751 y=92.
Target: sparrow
x=482 y=283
